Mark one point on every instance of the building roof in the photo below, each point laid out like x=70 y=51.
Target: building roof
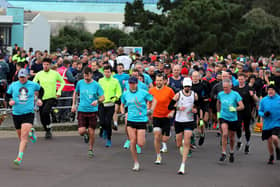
x=29 y=16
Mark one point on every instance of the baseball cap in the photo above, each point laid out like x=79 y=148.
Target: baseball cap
x=187 y=82
x=167 y=66
x=22 y=73
x=132 y=80
x=209 y=70
x=271 y=86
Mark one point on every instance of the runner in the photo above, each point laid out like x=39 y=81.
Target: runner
x=136 y=101
x=47 y=78
x=21 y=94
x=91 y=94
x=163 y=95
x=184 y=119
x=244 y=116
x=228 y=103
x=270 y=111
x=112 y=92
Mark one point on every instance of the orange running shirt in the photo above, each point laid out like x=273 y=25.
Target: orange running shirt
x=163 y=98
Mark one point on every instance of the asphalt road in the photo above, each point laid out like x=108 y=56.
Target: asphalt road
x=63 y=162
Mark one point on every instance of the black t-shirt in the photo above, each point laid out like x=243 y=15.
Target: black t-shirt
x=247 y=99
x=36 y=67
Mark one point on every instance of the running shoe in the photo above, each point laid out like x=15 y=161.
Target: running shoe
x=201 y=140
x=181 y=170
x=238 y=146
x=115 y=127
x=17 y=161
x=126 y=144
x=164 y=150
x=271 y=160
x=48 y=135
x=223 y=158
x=32 y=135
x=138 y=149
x=86 y=138
x=108 y=143
x=246 y=151
x=136 y=166
x=158 y=160
x=277 y=150
x=90 y=153
x=231 y=157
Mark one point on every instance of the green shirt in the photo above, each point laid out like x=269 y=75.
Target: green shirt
x=48 y=82
x=112 y=88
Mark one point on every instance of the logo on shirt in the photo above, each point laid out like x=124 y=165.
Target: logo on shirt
x=23 y=94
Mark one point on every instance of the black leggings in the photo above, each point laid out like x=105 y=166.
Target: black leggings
x=246 y=119
x=106 y=116
x=45 y=111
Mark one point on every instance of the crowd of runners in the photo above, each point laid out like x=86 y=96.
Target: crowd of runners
x=177 y=91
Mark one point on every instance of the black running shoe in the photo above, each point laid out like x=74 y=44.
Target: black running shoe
x=201 y=140
x=271 y=160
x=277 y=154
x=86 y=138
x=246 y=151
x=223 y=158
x=115 y=127
x=48 y=135
x=238 y=146
x=231 y=157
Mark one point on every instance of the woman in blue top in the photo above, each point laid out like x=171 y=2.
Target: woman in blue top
x=22 y=94
x=228 y=103
x=135 y=100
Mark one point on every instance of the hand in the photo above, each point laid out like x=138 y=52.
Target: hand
x=73 y=109
x=94 y=103
x=171 y=114
x=251 y=93
x=232 y=109
x=150 y=112
x=176 y=97
x=39 y=102
x=267 y=113
x=12 y=102
x=57 y=96
x=114 y=99
x=194 y=110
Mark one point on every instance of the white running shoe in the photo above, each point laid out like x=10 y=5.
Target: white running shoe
x=136 y=166
x=181 y=171
x=164 y=150
x=158 y=160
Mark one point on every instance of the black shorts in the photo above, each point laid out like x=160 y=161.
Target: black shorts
x=21 y=119
x=182 y=126
x=118 y=102
x=137 y=125
x=232 y=125
x=204 y=107
x=164 y=124
x=87 y=119
x=266 y=134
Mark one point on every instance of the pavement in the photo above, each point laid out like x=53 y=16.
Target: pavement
x=63 y=162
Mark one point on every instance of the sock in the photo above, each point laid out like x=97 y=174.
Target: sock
x=164 y=145
x=158 y=155
x=115 y=123
x=248 y=143
x=224 y=153
x=20 y=155
x=231 y=152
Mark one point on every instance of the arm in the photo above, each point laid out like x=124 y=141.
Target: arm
x=74 y=101
x=62 y=83
x=118 y=90
x=218 y=106
x=173 y=102
x=261 y=109
x=240 y=106
x=70 y=76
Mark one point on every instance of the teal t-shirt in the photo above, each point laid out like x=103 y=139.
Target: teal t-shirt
x=137 y=104
x=227 y=100
x=89 y=92
x=23 y=95
x=141 y=85
x=121 y=78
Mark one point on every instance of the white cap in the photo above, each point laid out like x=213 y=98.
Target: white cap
x=187 y=82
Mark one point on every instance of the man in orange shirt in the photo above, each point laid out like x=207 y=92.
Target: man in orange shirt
x=161 y=114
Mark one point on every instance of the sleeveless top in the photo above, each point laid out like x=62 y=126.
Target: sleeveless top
x=176 y=85
x=187 y=102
